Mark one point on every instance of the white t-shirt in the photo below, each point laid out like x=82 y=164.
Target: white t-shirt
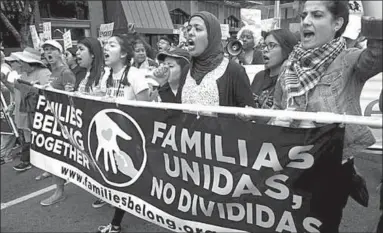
x=136 y=79
x=81 y=87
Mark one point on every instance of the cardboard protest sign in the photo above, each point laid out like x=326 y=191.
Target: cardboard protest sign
x=188 y=173
x=67 y=40
x=35 y=37
x=106 y=31
x=225 y=31
x=47 y=31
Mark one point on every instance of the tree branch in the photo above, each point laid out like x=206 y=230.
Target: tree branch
x=10 y=27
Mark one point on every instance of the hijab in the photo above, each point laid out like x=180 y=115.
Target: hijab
x=213 y=55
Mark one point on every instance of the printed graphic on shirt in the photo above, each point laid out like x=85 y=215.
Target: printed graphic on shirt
x=117 y=86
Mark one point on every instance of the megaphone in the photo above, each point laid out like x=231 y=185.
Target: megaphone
x=234 y=48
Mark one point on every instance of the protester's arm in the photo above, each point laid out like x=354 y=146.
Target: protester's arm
x=8 y=85
x=25 y=88
x=44 y=76
x=68 y=80
x=242 y=90
x=140 y=85
x=370 y=60
x=143 y=95
x=68 y=77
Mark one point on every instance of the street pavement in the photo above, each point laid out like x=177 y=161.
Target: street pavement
x=23 y=213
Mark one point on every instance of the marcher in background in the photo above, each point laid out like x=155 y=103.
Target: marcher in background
x=141 y=54
x=15 y=65
x=126 y=82
x=277 y=47
x=32 y=70
x=8 y=141
x=164 y=44
x=71 y=61
x=212 y=79
x=62 y=78
x=321 y=75
x=250 y=54
x=89 y=56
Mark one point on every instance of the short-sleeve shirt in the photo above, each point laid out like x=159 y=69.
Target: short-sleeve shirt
x=62 y=76
x=136 y=83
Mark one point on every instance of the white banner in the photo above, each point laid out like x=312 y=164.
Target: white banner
x=106 y=31
x=252 y=17
x=269 y=24
x=47 y=31
x=225 y=31
x=67 y=37
x=35 y=37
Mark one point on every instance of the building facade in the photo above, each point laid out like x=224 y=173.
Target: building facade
x=289 y=13
x=80 y=16
x=150 y=18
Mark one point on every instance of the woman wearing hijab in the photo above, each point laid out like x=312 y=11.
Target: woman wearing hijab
x=278 y=45
x=212 y=79
x=322 y=75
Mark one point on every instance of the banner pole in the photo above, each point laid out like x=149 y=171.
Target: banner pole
x=320 y=117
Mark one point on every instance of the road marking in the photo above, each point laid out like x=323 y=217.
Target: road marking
x=29 y=196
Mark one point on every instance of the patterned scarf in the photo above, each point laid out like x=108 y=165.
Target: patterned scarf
x=304 y=68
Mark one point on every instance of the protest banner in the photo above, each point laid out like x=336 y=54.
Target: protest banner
x=187 y=173
x=106 y=31
x=47 y=31
x=225 y=31
x=252 y=17
x=35 y=37
x=67 y=38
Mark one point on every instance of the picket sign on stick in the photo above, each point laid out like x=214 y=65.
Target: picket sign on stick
x=47 y=30
x=320 y=117
x=67 y=37
x=35 y=37
x=106 y=31
x=5 y=106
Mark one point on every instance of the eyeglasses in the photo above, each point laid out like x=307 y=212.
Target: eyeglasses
x=270 y=46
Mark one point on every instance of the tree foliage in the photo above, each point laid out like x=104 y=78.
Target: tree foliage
x=25 y=18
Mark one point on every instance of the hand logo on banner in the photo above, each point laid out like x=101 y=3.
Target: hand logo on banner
x=110 y=140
